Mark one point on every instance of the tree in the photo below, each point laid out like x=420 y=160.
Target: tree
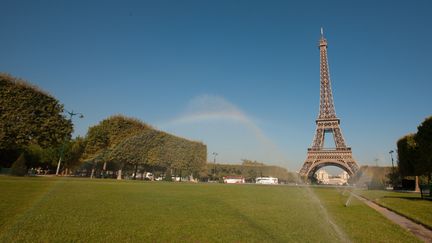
x=19 y=167
x=182 y=155
x=197 y=159
x=407 y=155
x=47 y=158
x=109 y=133
x=247 y=162
x=423 y=139
x=130 y=142
x=137 y=150
x=28 y=115
x=104 y=137
x=73 y=151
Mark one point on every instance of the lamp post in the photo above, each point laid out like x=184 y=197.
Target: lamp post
x=214 y=164
x=391 y=155
x=71 y=114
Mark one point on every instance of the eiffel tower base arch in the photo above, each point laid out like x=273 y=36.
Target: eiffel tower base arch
x=316 y=159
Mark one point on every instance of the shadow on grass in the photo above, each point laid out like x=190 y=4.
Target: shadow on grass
x=410 y=198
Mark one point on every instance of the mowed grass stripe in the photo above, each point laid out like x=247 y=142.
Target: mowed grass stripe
x=82 y=210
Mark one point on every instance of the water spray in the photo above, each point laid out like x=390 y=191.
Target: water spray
x=347 y=203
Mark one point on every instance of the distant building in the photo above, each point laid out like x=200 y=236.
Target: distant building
x=344 y=175
x=324 y=177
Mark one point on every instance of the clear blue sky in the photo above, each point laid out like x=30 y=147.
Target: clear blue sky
x=241 y=76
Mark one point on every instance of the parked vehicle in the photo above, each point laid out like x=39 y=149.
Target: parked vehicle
x=267 y=180
x=234 y=179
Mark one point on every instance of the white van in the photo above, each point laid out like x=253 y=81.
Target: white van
x=234 y=180
x=267 y=180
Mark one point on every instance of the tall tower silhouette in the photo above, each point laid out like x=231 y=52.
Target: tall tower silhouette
x=327 y=123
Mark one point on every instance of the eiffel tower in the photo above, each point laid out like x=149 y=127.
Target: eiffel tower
x=327 y=122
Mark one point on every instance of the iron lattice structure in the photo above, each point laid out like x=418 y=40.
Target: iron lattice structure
x=327 y=122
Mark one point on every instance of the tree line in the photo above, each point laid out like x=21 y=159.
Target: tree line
x=250 y=170
x=119 y=143
x=34 y=133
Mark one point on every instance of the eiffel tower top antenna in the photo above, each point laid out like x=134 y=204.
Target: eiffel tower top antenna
x=322 y=32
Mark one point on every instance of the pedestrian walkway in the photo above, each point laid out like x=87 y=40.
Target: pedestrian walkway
x=418 y=230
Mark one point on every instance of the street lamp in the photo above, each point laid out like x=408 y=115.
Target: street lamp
x=391 y=155
x=71 y=114
x=214 y=164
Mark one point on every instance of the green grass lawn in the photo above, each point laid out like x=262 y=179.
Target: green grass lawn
x=83 y=210
x=408 y=204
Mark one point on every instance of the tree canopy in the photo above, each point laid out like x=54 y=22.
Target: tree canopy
x=126 y=141
x=138 y=149
x=28 y=116
x=105 y=136
x=156 y=149
x=407 y=155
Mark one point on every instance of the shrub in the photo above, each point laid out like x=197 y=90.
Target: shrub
x=19 y=167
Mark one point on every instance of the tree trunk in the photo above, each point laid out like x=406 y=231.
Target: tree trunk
x=92 y=173
x=135 y=172
x=119 y=174
x=417 y=188
x=104 y=169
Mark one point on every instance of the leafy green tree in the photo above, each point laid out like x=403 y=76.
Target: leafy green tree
x=28 y=115
x=131 y=143
x=46 y=158
x=34 y=154
x=182 y=155
x=408 y=158
x=73 y=152
x=137 y=150
x=197 y=158
x=19 y=167
x=37 y=156
x=110 y=132
x=49 y=156
x=246 y=162
x=423 y=138
x=101 y=139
